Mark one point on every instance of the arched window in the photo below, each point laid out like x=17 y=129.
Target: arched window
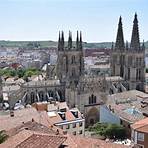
x=73 y=60
x=92 y=99
x=50 y=93
x=32 y=97
x=41 y=95
x=73 y=72
x=65 y=63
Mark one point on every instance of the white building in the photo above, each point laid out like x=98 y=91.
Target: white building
x=69 y=120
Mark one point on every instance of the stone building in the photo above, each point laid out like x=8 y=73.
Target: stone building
x=139 y=134
x=70 y=62
x=129 y=61
x=85 y=92
x=66 y=81
x=69 y=83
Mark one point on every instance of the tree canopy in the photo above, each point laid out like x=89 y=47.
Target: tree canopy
x=112 y=131
x=21 y=73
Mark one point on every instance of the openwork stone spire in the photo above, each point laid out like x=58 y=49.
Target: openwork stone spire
x=59 y=42
x=119 y=45
x=80 y=44
x=77 y=41
x=62 y=41
x=135 y=43
x=70 y=40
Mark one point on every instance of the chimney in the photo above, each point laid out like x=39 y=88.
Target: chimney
x=57 y=132
x=62 y=115
x=11 y=113
x=75 y=113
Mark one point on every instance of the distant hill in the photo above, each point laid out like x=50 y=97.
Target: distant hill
x=44 y=44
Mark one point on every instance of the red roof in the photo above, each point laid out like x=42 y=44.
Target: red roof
x=42 y=141
x=141 y=125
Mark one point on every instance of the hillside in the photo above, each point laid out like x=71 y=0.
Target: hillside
x=43 y=44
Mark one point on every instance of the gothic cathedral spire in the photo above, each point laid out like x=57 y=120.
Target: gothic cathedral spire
x=119 y=45
x=77 y=41
x=135 y=43
x=70 y=40
x=59 y=42
x=80 y=44
x=62 y=40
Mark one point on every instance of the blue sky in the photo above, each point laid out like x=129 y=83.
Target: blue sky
x=97 y=19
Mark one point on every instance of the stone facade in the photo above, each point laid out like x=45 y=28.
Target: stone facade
x=43 y=91
x=70 y=64
x=67 y=81
x=85 y=92
x=129 y=62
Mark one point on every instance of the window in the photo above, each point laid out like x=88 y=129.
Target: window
x=140 y=146
x=67 y=126
x=73 y=72
x=121 y=122
x=128 y=73
x=140 y=136
x=80 y=132
x=92 y=99
x=74 y=125
x=73 y=60
x=74 y=133
x=130 y=60
x=80 y=124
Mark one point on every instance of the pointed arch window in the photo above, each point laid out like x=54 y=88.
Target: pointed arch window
x=73 y=59
x=65 y=63
x=73 y=72
x=92 y=99
x=32 y=97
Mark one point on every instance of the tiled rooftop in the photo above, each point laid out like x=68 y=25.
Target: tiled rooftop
x=126 y=113
x=141 y=125
x=42 y=141
x=31 y=139
x=79 y=142
x=22 y=116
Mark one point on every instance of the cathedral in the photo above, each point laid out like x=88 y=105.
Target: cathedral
x=128 y=61
x=68 y=82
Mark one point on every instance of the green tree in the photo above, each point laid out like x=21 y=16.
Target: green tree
x=112 y=131
x=20 y=73
x=3 y=136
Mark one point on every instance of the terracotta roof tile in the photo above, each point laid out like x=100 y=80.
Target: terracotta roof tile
x=31 y=139
x=79 y=142
x=42 y=141
x=141 y=125
x=22 y=116
x=32 y=126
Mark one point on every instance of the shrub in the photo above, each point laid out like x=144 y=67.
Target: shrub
x=112 y=131
x=3 y=136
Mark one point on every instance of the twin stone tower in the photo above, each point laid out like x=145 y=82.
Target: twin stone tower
x=127 y=60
